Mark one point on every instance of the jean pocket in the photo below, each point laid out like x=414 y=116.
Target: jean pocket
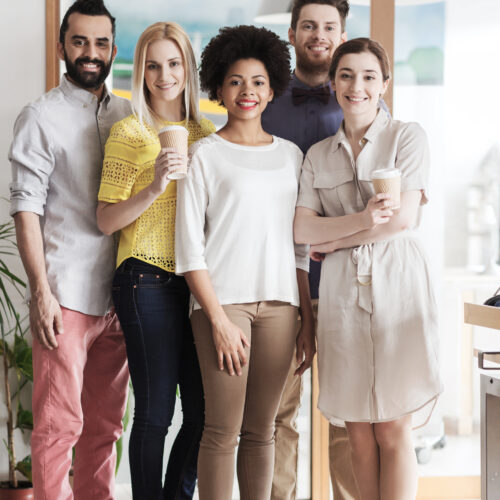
x=151 y=280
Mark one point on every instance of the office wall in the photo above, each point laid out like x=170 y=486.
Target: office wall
x=22 y=42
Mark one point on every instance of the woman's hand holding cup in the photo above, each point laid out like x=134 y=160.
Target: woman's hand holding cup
x=378 y=210
x=167 y=162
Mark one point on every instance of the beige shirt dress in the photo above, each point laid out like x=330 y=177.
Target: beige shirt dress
x=377 y=318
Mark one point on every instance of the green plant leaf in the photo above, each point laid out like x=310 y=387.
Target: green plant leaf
x=119 y=453
x=4 y=269
x=23 y=357
x=8 y=247
x=24 y=467
x=16 y=352
x=24 y=418
x=9 y=451
x=6 y=349
x=126 y=415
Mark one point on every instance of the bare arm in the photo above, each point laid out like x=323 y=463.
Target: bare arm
x=402 y=220
x=45 y=312
x=306 y=341
x=310 y=227
x=229 y=339
x=112 y=217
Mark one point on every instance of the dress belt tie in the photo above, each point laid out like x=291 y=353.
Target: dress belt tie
x=362 y=257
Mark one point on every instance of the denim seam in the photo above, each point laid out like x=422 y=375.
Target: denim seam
x=147 y=371
x=184 y=467
x=193 y=445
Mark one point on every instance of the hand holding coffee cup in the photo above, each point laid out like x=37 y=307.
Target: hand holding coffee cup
x=388 y=180
x=176 y=138
x=378 y=210
x=168 y=162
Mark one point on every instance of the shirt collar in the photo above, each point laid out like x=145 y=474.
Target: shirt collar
x=381 y=120
x=81 y=95
x=378 y=124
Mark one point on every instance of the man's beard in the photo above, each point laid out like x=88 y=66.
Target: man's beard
x=87 y=79
x=306 y=65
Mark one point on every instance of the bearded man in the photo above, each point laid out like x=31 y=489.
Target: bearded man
x=79 y=360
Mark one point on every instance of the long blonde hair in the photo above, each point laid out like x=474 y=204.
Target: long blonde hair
x=140 y=94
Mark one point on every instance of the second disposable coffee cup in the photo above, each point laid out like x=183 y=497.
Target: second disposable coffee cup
x=388 y=180
x=175 y=136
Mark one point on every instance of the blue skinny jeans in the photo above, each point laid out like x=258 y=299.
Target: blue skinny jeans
x=152 y=306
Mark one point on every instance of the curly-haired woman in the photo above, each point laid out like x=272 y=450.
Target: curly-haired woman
x=234 y=244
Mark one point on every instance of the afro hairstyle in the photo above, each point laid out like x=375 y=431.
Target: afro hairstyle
x=244 y=42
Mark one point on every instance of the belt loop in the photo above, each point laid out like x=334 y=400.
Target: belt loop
x=130 y=265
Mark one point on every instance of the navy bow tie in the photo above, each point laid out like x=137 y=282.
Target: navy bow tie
x=300 y=95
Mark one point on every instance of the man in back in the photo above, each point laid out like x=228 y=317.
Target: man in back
x=307 y=113
x=79 y=359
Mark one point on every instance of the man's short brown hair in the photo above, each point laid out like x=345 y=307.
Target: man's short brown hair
x=341 y=5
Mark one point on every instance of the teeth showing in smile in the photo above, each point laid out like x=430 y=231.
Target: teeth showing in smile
x=166 y=86
x=90 y=66
x=356 y=99
x=247 y=104
x=316 y=48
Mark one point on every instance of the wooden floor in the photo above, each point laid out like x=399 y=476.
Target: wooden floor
x=430 y=488
x=449 y=488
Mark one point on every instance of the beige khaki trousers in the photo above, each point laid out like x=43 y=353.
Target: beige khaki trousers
x=243 y=406
x=287 y=443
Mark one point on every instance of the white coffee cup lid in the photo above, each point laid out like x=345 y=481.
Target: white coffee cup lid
x=172 y=127
x=386 y=173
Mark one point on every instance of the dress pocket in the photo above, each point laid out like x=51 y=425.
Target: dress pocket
x=337 y=190
x=333 y=179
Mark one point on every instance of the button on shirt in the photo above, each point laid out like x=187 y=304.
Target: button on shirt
x=56 y=159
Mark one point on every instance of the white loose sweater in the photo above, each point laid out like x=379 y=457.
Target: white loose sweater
x=234 y=218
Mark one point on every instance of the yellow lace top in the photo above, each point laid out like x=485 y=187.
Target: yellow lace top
x=129 y=159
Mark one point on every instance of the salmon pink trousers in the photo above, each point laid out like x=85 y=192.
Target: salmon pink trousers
x=79 y=397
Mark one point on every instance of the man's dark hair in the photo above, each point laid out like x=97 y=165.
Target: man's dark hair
x=341 y=5
x=88 y=8
x=244 y=42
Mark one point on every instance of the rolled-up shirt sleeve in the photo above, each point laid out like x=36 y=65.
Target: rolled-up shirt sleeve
x=412 y=159
x=308 y=195
x=192 y=202
x=32 y=162
x=302 y=256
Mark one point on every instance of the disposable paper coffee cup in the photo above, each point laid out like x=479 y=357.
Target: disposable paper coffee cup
x=388 y=180
x=175 y=136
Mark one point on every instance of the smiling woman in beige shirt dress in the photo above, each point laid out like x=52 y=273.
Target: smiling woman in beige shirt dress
x=377 y=313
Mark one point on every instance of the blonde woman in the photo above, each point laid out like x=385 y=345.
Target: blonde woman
x=137 y=199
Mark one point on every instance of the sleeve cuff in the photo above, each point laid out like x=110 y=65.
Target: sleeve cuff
x=311 y=203
x=416 y=186
x=303 y=265
x=180 y=269
x=25 y=206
